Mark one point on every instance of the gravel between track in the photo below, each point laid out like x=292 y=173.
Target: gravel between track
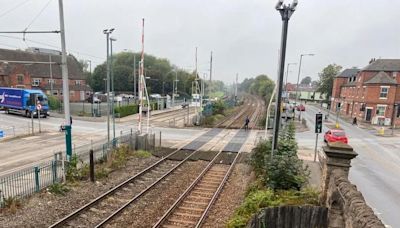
x=230 y=198
x=43 y=209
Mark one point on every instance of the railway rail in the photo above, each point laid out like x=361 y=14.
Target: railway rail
x=192 y=207
x=109 y=205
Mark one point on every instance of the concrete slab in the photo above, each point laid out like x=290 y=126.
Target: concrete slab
x=237 y=141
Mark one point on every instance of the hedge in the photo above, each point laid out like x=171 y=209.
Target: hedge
x=126 y=110
x=131 y=109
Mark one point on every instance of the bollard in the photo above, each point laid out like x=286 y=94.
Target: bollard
x=37 y=185
x=91 y=166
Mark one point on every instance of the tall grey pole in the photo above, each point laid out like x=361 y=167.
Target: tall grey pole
x=51 y=76
x=112 y=86
x=286 y=12
x=298 y=78
x=134 y=78
x=108 y=88
x=64 y=72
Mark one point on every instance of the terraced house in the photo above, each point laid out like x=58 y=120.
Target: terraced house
x=371 y=94
x=30 y=69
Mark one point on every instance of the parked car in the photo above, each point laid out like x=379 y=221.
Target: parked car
x=301 y=108
x=93 y=99
x=335 y=135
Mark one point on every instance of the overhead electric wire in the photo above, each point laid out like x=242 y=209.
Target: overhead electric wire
x=14 y=8
x=40 y=12
x=53 y=46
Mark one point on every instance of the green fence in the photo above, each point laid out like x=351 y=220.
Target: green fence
x=30 y=180
x=26 y=182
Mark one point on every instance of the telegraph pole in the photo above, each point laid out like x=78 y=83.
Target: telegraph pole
x=64 y=72
x=209 y=88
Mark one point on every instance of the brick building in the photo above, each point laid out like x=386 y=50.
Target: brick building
x=371 y=94
x=41 y=75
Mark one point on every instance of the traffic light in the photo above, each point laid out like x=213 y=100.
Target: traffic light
x=318 y=123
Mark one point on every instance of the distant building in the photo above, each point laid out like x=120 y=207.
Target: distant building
x=41 y=76
x=306 y=93
x=371 y=94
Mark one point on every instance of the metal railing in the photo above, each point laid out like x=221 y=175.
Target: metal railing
x=27 y=181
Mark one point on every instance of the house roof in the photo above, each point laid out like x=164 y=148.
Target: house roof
x=383 y=65
x=347 y=73
x=40 y=70
x=381 y=78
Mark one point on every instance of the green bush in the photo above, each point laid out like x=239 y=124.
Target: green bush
x=58 y=189
x=54 y=103
x=126 y=110
x=142 y=154
x=218 y=107
x=285 y=170
x=12 y=203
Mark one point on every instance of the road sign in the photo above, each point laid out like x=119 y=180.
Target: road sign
x=1 y=134
x=318 y=123
x=39 y=107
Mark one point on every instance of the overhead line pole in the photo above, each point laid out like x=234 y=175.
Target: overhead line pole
x=64 y=73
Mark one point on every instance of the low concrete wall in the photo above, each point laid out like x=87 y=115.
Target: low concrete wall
x=347 y=207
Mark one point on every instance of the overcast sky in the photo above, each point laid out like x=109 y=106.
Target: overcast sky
x=244 y=35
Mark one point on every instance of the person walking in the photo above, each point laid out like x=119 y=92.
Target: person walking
x=355 y=121
x=246 y=124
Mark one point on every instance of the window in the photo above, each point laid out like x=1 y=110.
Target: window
x=394 y=74
x=50 y=81
x=20 y=78
x=398 y=111
x=72 y=93
x=78 y=82
x=384 y=92
x=36 y=82
x=380 y=110
x=55 y=92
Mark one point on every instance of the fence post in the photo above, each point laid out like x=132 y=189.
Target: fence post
x=91 y=164
x=160 y=139
x=37 y=185
x=54 y=170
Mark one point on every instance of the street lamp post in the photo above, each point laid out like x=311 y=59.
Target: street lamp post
x=108 y=32
x=298 y=78
x=286 y=12
x=287 y=75
x=112 y=85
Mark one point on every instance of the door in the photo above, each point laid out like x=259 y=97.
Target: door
x=347 y=109
x=368 y=114
x=82 y=95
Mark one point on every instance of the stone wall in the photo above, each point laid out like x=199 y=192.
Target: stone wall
x=347 y=207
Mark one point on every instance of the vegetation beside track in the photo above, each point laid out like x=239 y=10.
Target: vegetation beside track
x=280 y=180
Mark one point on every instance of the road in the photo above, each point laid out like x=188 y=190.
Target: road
x=24 y=152
x=375 y=170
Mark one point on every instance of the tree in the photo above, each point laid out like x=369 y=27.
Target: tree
x=326 y=77
x=306 y=81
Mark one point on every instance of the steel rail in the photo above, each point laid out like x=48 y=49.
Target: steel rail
x=187 y=191
x=119 y=186
x=181 y=198
x=217 y=192
x=119 y=210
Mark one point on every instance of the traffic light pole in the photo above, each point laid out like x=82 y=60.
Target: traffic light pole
x=316 y=146
x=318 y=130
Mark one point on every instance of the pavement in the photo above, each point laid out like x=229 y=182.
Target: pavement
x=375 y=170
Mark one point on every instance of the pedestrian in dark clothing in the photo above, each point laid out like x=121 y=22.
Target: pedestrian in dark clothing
x=70 y=120
x=355 y=121
x=246 y=124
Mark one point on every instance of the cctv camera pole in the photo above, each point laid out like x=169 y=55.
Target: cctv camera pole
x=112 y=88
x=286 y=11
x=64 y=72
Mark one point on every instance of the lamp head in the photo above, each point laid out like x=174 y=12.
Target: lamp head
x=294 y=4
x=113 y=39
x=279 y=5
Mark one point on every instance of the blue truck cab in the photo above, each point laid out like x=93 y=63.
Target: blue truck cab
x=24 y=101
